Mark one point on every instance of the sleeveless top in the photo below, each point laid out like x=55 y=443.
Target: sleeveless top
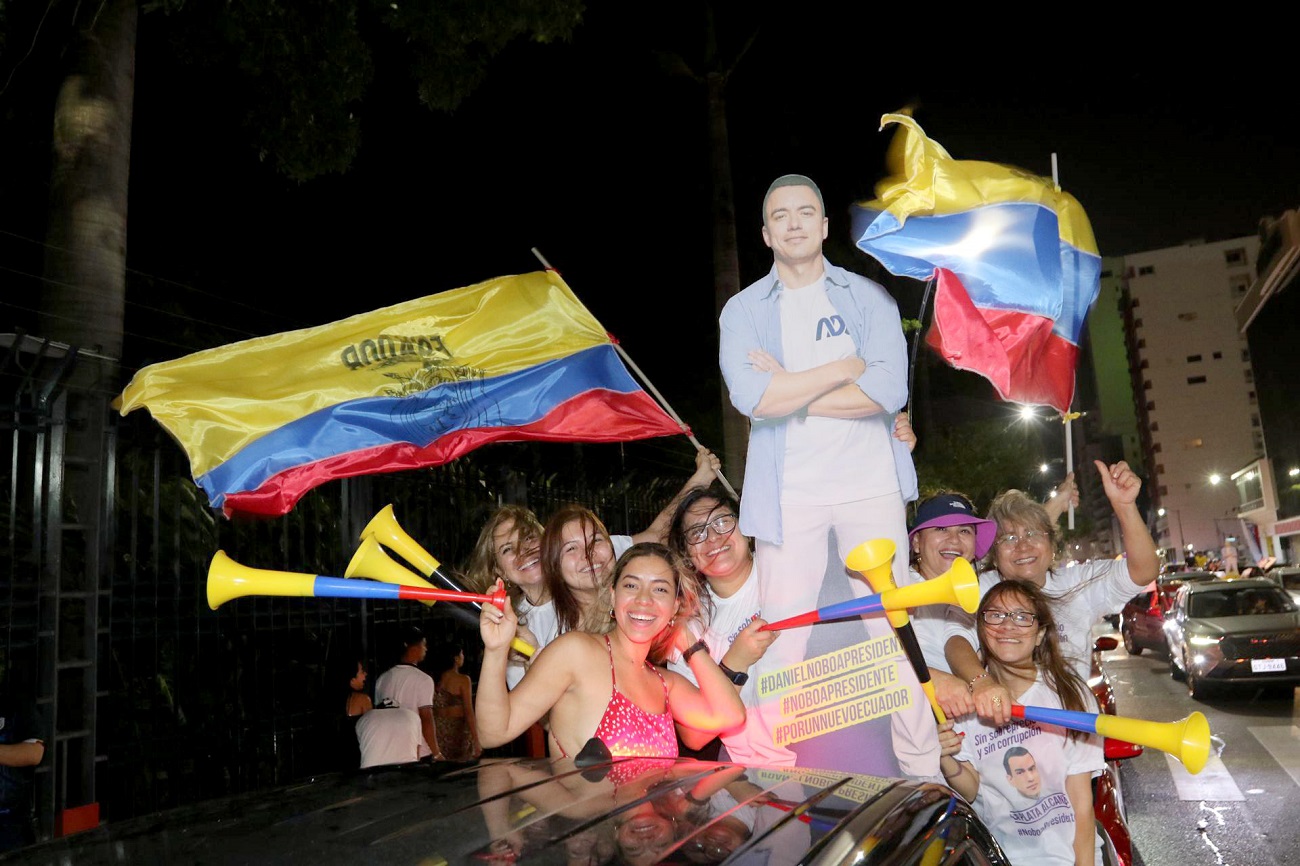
x=629 y=731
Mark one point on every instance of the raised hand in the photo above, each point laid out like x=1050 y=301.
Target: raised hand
x=1121 y=483
x=497 y=627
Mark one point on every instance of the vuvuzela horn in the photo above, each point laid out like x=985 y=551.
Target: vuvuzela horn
x=384 y=529
x=228 y=580
x=874 y=560
x=1188 y=739
x=958 y=585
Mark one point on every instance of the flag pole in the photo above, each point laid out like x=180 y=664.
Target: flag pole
x=653 y=390
x=1067 y=417
x=916 y=345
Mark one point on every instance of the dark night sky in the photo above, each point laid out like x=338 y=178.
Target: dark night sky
x=590 y=153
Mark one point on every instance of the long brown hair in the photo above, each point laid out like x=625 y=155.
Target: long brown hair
x=568 y=611
x=1056 y=672
x=482 y=573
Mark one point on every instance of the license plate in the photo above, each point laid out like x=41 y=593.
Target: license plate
x=1260 y=666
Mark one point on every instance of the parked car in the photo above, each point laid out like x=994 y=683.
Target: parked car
x=1107 y=795
x=1239 y=632
x=1287 y=577
x=1142 y=621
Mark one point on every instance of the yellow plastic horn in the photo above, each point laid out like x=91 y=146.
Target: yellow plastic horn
x=384 y=527
x=228 y=580
x=1188 y=739
x=371 y=561
x=877 y=559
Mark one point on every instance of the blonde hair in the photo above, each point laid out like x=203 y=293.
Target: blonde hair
x=482 y=573
x=1016 y=508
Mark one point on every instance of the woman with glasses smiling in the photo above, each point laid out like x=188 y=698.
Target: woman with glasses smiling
x=703 y=532
x=1030 y=782
x=1025 y=549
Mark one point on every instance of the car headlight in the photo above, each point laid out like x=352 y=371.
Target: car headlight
x=1203 y=640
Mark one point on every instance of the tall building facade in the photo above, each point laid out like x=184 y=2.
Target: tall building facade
x=1197 y=406
x=1269 y=489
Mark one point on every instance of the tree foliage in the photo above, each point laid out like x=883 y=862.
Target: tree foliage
x=979 y=458
x=303 y=70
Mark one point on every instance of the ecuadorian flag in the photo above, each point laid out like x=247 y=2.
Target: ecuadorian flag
x=1014 y=259
x=417 y=384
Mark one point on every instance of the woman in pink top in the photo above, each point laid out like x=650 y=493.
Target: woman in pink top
x=634 y=711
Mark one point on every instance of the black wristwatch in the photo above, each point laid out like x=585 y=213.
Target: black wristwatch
x=693 y=649
x=737 y=677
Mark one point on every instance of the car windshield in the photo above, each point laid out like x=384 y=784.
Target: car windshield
x=1245 y=601
x=1290 y=580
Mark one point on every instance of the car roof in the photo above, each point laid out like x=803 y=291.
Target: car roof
x=542 y=811
x=1241 y=583
x=1187 y=576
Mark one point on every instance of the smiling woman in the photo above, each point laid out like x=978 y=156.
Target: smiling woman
x=634 y=713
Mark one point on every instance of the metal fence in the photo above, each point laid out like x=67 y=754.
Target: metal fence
x=194 y=703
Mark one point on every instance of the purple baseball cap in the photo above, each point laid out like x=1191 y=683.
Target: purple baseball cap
x=953 y=509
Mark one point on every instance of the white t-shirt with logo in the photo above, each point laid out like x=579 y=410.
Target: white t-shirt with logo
x=389 y=735
x=813 y=334
x=1035 y=827
x=409 y=688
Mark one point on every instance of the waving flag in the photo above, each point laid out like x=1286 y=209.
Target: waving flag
x=1014 y=258
x=417 y=384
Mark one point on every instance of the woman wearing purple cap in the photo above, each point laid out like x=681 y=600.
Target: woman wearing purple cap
x=945 y=528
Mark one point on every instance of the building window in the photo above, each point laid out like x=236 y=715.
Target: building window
x=1145 y=363
x=1245 y=356
x=1105 y=274
x=1250 y=375
x=1258 y=439
x=1187 y=317
x=1254 y=420
x=1142 y=344
x=1189 y=444
x=1146 y=386
x=1156 y=449
x=1155 y=426
x=1195 y=380
x=1217 y=356
x=1193 y=359
x=1160 y=469
x=1137 y=323
x=1235 y=256
x=1146 y=270
x=1151 y=405
x=1164 y=491
x=1240 y=284
x=1136 y=302
x=1250 y=395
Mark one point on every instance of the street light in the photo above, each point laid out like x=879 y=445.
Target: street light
x=1215 y=478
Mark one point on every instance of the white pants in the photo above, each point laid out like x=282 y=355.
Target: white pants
x=790 y=582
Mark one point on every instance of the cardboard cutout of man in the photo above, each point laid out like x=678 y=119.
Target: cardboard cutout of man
x=815 y=356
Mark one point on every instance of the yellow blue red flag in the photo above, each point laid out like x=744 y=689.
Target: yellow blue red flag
x=417 y=384
x=1014 y=259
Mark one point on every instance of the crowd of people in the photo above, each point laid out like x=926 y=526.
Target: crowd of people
x=814 y=355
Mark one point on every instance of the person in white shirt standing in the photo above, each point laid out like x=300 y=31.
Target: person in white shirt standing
x=411 y=688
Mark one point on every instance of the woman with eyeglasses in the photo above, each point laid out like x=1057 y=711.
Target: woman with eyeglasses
x=1029 y=781
x=1025 y=549
x=703 y=533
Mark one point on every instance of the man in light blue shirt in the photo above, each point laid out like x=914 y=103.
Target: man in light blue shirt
x=815 y=357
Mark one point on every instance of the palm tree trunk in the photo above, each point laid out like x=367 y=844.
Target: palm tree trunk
x=726 y=262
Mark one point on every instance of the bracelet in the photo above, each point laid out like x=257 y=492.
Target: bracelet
x=693 y=649
x=970 y=686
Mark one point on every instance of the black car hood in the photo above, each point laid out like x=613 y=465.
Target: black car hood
x=539 y=811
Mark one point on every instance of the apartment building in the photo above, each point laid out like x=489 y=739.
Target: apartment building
x=1197 y=407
